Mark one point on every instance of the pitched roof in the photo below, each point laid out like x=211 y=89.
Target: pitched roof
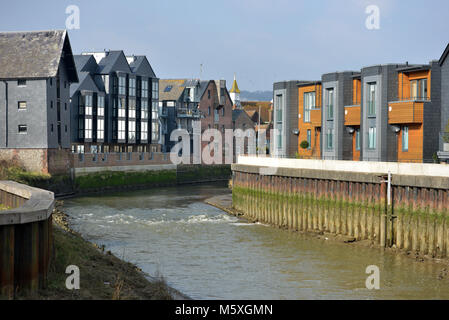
x=35 y=54
x=444 y=55
x=113 y=61
x=141 y=66
x=171 y=90
x=263 y=106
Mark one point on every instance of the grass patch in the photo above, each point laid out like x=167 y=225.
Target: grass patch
x=10 y=171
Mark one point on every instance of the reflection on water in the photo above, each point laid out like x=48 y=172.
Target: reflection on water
x=207 y=254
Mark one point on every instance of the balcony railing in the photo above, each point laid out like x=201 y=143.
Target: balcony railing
x=405 y=112
x=352 y=115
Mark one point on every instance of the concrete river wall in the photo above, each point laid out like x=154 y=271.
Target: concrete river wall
x=349 y=198
x=25 y=237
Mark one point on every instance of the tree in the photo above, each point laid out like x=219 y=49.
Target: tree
x=446 y=133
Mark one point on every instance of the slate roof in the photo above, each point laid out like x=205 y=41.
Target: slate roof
x=107 y=64
x=139 y=62
x=35 y=54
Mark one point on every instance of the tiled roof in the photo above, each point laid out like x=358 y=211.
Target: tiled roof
x=265 y=108
x=171 y=94
x=35 y=54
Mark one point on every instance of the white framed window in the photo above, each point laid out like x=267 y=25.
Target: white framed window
x=131 y=130
x=309 y=103
x=121 y=130
x=88 y=105
x=88 y=128
x=122 y=107
x=330 y=139
x=405 y=138
x=155 y=90
x=144 y=131
x=100 y=106
x=132 y=87
x=144 y=109
x=330 y=104
x=122 y=85
x=100 y=129
x=144 y=89
x=372 y=88
x=132 y=108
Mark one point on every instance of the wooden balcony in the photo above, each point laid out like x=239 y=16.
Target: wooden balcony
x=405 y=112
x=352 y=116
x=315 y=117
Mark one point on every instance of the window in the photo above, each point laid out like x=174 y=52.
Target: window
x=51 y=82
x=372 y=88
x=223 y=111
x=51 y=104
x=88 y=128
x=132 y=130
x=22 y=105
x=144 y=131
x=81 y=128
x=51 y=127
x=144 y=109
x=309 y=103
x=279 y=138
x=155 y=131
x=279 y=109
x=357 y=139
x=121 y=108
x=100 y=129
x=154 y=111
x=65 y=128
x=309 y=138
x=132 y=87
x=155 y=90
x=405 y=138
x=121 y=129
x=144 y=89
x=122 y=85
x=132 y=108
x=330 y=139
x=330 y=104
x=88 y=105
x=208 y=94
x=372 y=138
x=418 y=89
x=21 y=83
x=208 y=111
x=216 y=115
x=22 y=129
x=100 y=106
x=65 y=106
x=168 y=88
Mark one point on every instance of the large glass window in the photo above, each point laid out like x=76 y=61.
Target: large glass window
x=155 y=131
x=132 y=87
x=122 y=107
x=405 y=138
x=372 y=88
x=131 y=130
x=372 y=138
x=121 y=130
x=88 y=128
x=154 y=111
x=144 y=89
x=122 y=85
x=144 y=109
x=100 y=129
x=418 y=89
x=100 y=106
x=132 y=108
x=88 y=104
x=144 y=131
x=309 y=103
x=330 y=103
x=155 y=90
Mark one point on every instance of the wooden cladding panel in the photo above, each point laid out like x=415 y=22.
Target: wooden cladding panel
x=405 y=112
x=352 y=116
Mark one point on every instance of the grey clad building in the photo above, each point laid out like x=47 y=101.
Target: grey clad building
x=36 y=71
x=115 y=104
x=337 y=93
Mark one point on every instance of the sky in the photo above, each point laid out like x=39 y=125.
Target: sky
x=261 y=41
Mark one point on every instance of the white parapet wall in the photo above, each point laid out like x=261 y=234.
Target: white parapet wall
x=412 y=169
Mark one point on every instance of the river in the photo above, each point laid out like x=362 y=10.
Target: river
x=207 y=254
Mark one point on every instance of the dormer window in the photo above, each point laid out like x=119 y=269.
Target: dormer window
x=21 y=83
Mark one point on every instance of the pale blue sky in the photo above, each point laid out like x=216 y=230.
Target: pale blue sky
x=263 y=41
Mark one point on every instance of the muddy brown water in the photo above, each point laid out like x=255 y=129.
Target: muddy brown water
x=207 y=254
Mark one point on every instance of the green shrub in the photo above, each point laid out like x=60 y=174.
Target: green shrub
x=304 y=145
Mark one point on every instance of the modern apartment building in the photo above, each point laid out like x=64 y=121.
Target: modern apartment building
x=337 y=93
x=36 y=71
x=379 y=87
x=352 y=118
x=114 y=108
x=443 y=154
x=285 y=118
x=309 y=119
x=415 y=117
